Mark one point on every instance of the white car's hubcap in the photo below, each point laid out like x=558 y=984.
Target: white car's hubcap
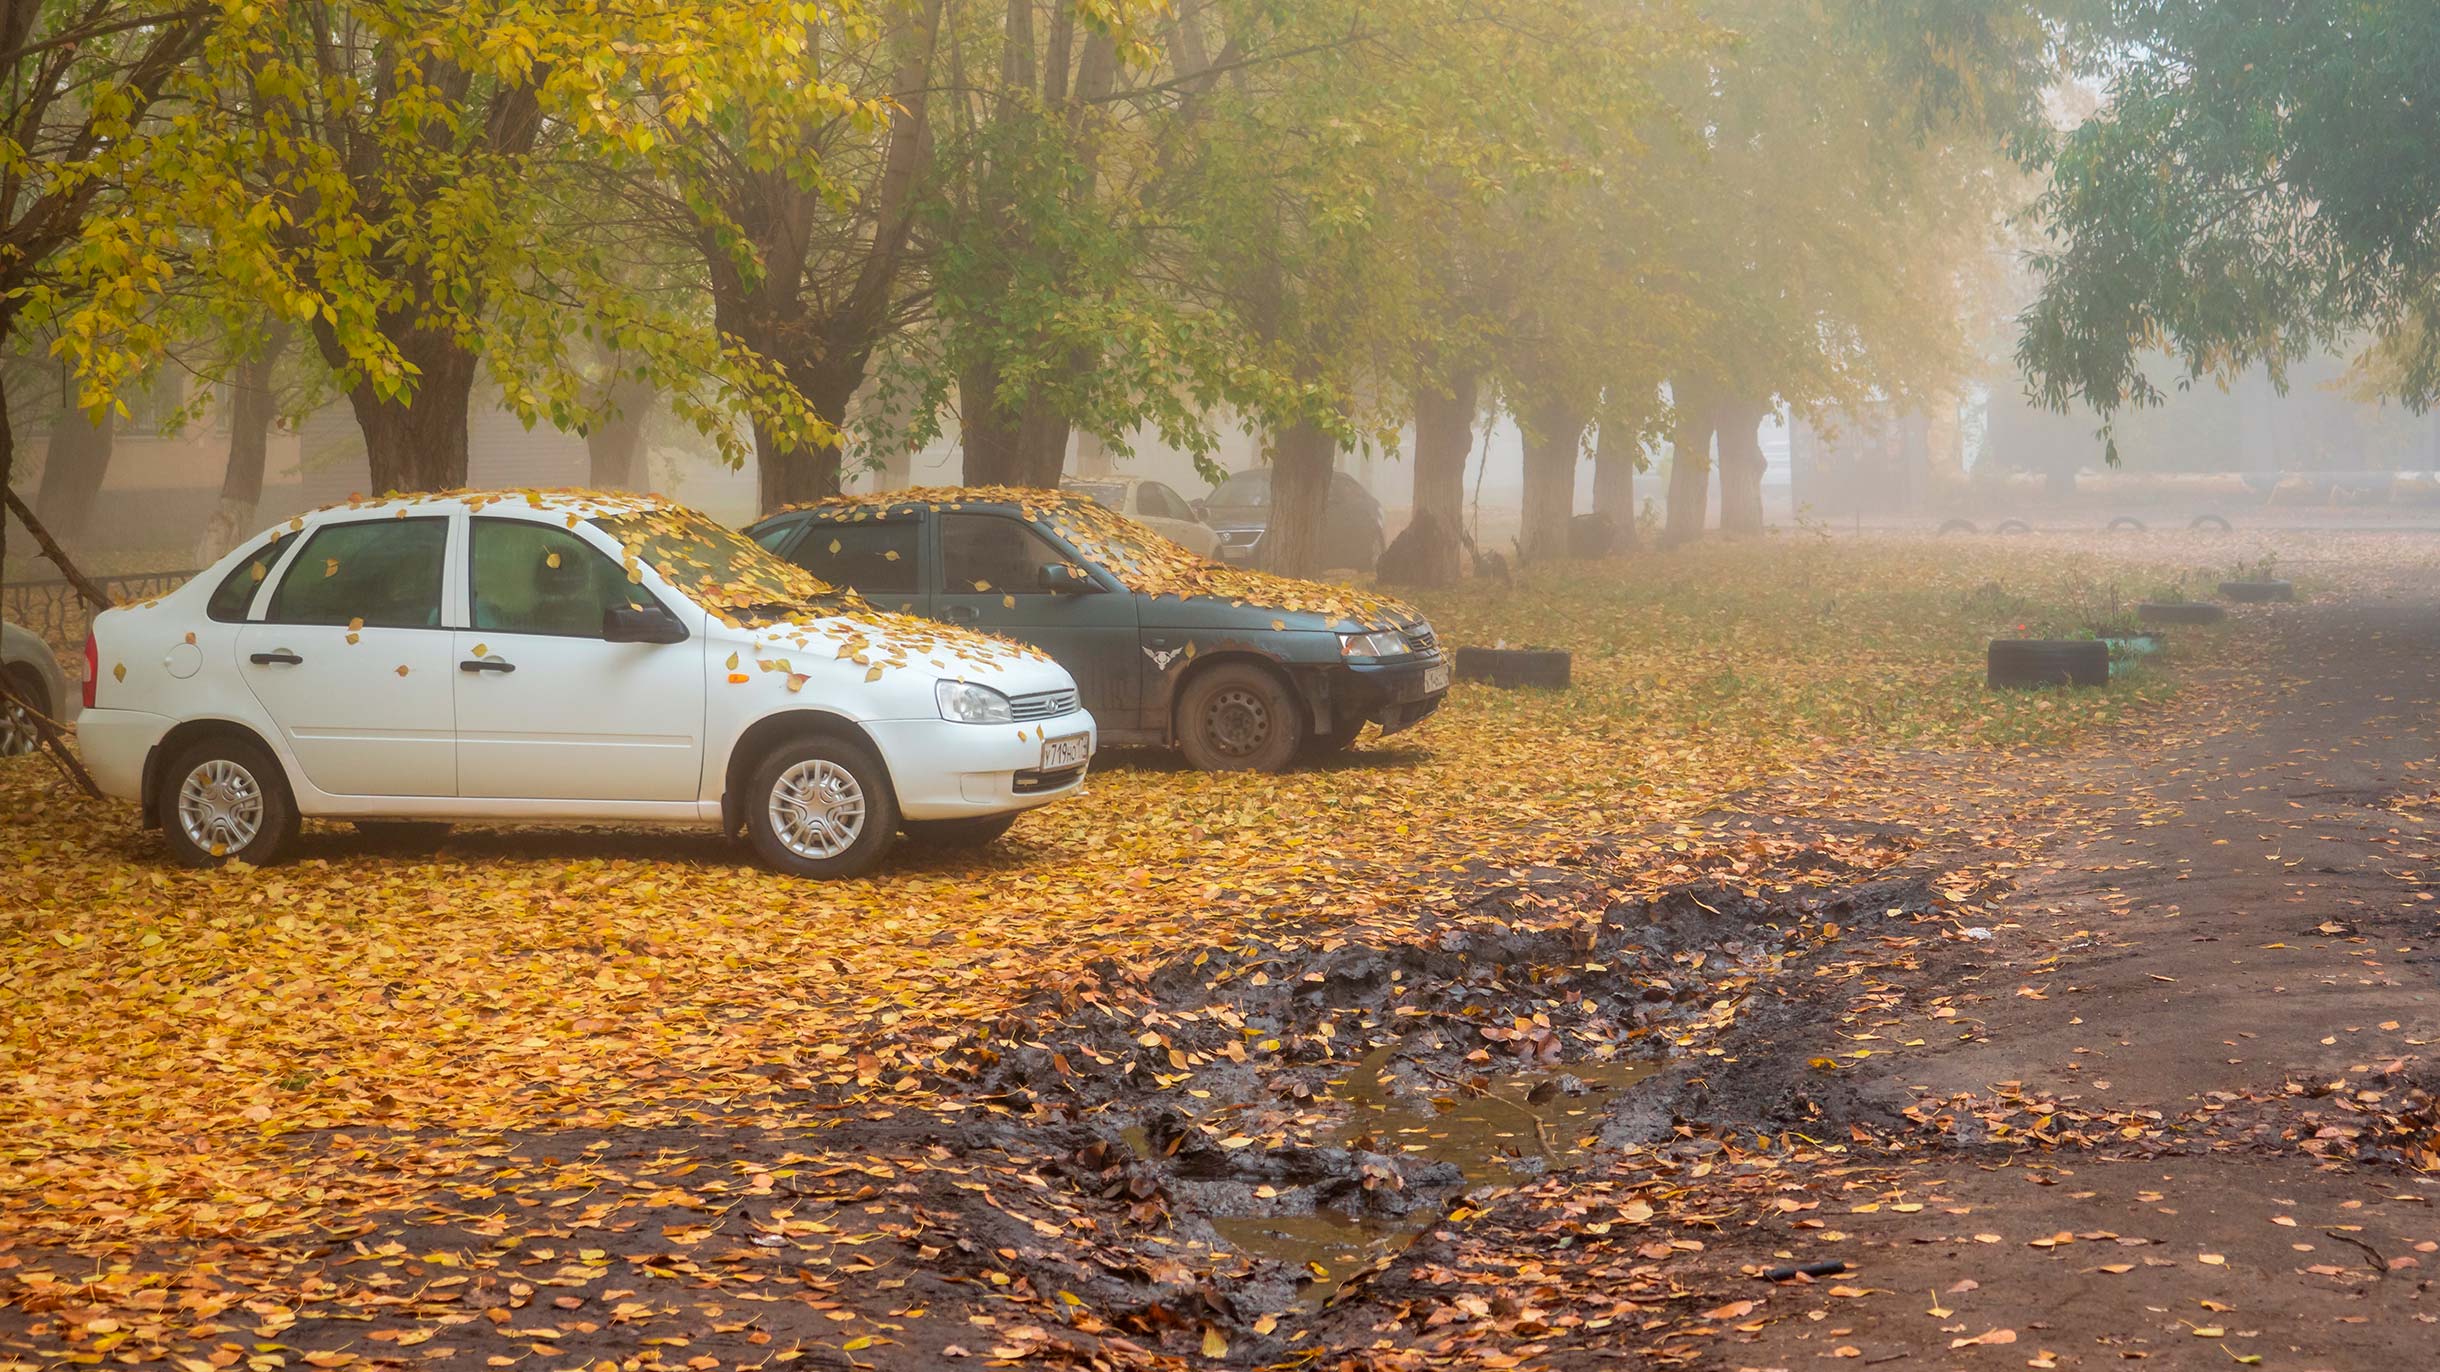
x=221 y=807
x=817 y=809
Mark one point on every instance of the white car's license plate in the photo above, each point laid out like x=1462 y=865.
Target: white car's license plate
x=1436 y=678
x=1071 y=750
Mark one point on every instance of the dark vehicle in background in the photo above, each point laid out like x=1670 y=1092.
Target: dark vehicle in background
x=33 y=676
x=1241 y=670
x=1241 y=511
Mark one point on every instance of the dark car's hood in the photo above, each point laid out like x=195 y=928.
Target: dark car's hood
x=1237 y=516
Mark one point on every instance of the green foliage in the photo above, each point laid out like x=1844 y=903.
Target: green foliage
x=2259 y=187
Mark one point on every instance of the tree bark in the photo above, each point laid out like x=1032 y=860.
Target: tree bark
x=1690 y=463
x=1554 y=440
x=253 y=405
x=789 y=473
x=987 y=436
x=614 y=446
x=1615 y=452
x=73 y=468
x=1444 y=438
x=1302 y=461
x=418 y=444
x=8 y=469
x=1741 y=468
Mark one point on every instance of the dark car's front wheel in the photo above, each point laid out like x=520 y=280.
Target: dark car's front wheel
x=821 y=806
x=1236 y=717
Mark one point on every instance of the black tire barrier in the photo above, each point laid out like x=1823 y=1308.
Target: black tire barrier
x=2257 y=592
x=1511 y=668
x=2126 y=524
x=2011 y=527
x=2180 y=612
x=2211 y=524
x=2020 y=662
x=1958 y=526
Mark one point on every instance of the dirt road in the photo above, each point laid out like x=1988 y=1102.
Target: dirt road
x=2222 y=983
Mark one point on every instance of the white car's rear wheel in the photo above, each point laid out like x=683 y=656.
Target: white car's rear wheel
x=821 y=806
x=224 y=800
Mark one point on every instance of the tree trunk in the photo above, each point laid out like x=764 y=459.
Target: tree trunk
x=987 y=435
x=1615 y=451
x=1741 y=468
x=790 y=473
x=1301 y=464
x=1444 y=438
x=1042 y=445
x=1689 y=464
x=73 y=469
x=253 y=405
x=614 y=446
x=8 y=468
x=1554 y=439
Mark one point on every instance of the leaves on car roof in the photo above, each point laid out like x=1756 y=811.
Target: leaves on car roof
x=1143 y=561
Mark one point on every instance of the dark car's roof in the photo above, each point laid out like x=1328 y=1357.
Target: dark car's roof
x=1143 y=561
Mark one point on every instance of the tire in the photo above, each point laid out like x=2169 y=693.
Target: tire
x=2126 y=524
x=1237 y=717
x=1512 y=668
x=1957 y=526
x=960 y=833
x=2180 y=612
x=2011 y=528
x=416 y=834
x=2211 y=524
x=825 y=773
x=224 y=799
x=2258 y=592
x=1337 y=739
x=2047 y=662
x=18 y=737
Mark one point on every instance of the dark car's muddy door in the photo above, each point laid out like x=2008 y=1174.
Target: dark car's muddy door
x=991 y=578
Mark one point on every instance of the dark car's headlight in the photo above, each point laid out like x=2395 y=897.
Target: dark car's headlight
x=1373 y=645
x=966 y=703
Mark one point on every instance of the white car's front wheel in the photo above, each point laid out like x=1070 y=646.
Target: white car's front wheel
x=821 y=806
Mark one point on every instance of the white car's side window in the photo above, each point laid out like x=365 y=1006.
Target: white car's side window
x=528 y=578
x=385 y=573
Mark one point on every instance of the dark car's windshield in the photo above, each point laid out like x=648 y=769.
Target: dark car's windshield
x=720 y=569
x=1130 y=551
x=1245 y=490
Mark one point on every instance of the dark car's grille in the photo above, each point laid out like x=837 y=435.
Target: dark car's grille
x=1423 y=640
x=1043 y=705
x=1241 y=538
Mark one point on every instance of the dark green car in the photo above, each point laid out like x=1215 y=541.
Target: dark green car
x=1240 y=669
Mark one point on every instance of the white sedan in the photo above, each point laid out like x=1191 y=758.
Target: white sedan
x=561 y=656
x=1151 y=504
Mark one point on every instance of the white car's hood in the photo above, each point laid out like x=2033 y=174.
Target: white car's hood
x=890 y=645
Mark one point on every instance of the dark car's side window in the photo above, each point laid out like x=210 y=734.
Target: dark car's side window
x=235 y=593
x=877 y=560
x=386 y=572
x=530 y=578
x=990 y=554
x=775 y=536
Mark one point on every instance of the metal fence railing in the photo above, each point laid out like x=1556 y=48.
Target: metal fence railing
x=53 y=609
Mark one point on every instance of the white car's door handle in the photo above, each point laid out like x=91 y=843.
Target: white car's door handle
x=477 y=664
x=283 y=657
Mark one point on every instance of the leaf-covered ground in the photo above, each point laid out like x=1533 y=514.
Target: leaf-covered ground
x=363 y=1048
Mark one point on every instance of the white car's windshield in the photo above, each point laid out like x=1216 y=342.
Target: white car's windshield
x=720 y=569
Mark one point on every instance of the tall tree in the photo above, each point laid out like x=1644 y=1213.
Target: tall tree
x=2258 y=186
x=78 y=85
x=254 y=406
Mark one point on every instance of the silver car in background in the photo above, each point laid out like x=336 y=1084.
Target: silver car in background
x=33 y=676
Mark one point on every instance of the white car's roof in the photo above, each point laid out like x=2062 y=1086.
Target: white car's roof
x=582 y=504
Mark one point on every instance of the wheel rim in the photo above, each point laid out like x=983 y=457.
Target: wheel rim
x=17 y=736
x=1237 y=721
x=817 y=809
x=220 y=806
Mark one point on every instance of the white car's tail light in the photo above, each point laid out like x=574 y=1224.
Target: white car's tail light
x=93 y=669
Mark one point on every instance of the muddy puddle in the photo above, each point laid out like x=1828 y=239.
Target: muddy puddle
x=1491 y=1130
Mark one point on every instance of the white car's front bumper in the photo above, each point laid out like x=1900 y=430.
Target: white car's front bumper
x=944 y=770
x=114 y=745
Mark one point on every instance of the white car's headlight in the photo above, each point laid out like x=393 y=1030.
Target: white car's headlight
x=1373 y=645
x=967 y=703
